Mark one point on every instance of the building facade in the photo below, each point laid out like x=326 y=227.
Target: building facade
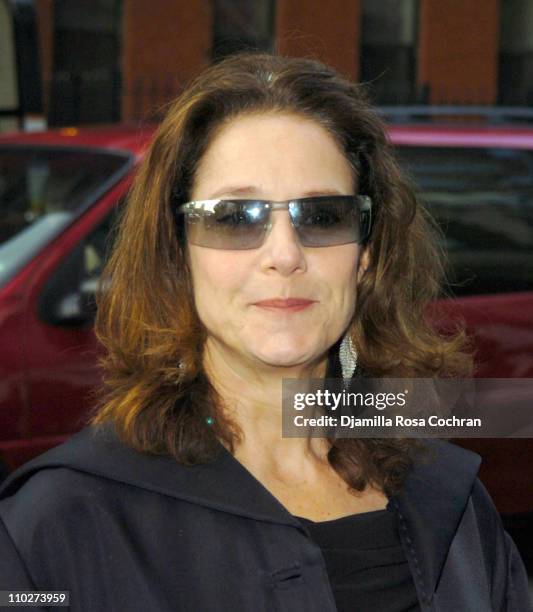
x=121 y=60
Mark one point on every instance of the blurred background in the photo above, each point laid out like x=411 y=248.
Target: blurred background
x=68 y=62
x=82 y=86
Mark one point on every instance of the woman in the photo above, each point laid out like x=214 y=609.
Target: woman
x=245 y=256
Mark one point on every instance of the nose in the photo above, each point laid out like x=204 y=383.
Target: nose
x=282 y=250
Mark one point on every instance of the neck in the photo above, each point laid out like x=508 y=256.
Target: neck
x=251 y=394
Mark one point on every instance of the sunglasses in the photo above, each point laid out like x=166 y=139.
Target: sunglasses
x=243 y=224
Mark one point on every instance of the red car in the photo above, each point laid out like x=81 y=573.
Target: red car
x=58 y=194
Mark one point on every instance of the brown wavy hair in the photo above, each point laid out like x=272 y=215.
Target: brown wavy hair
x=156 y=393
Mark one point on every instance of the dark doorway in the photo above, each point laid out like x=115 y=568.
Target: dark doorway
x=388 y=49
x=241 y=25
x=516 y=53
x=86 y=79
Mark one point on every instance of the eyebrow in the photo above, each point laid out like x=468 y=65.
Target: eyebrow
x=250 y=189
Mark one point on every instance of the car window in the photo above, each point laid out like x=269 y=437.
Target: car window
x=483 y=200
x=76 y=279
x=41 y=191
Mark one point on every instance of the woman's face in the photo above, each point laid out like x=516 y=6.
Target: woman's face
x=274 y=157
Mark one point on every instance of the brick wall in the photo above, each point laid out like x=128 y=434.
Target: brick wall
x=165 y=44
x=458 y=50
x=328 y=31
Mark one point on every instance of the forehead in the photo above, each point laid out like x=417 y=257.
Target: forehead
x=272 y=152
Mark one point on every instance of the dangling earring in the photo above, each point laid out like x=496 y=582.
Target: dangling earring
x=347 y=357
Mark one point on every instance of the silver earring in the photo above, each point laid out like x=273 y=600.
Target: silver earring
x=347 y=357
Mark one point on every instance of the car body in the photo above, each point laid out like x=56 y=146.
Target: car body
x=477 y=180
x=48 y=370
x=48 y=365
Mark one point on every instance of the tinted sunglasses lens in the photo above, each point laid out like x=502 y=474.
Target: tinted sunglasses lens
x=326 y=221
x=234 y=224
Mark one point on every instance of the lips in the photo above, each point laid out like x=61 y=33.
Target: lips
x=288 y=304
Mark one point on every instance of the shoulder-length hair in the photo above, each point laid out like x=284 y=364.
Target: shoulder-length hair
x=156 y=393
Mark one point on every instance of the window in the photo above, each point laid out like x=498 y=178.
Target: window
x=388 y=49
x=41 y=191
x=483 y=200
x=86 y=81
x=242 y=25
x=516 y=52
x=68 y=297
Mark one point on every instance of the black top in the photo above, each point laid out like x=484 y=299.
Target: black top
x=122 y=530
x=366 y=564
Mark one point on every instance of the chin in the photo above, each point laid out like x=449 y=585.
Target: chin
x=285 y=359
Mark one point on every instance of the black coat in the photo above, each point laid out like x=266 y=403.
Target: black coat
x=124 y=531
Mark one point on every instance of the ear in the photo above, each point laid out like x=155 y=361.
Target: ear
x=364 y=261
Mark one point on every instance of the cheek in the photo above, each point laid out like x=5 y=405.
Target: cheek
x=217 y=277
x=339 y=270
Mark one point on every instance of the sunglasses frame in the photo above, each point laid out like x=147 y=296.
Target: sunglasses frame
x=363 y=203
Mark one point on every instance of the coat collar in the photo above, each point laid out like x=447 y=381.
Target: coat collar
x=223 y=484
x=430 y=505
